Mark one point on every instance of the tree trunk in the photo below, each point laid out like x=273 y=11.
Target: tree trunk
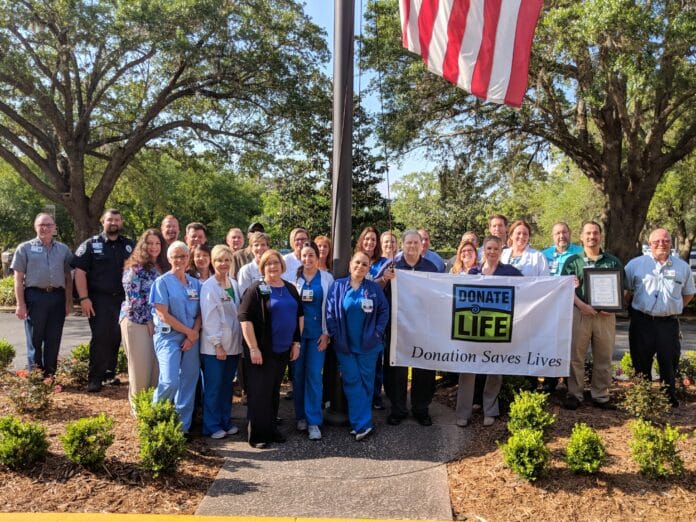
x=85 y=224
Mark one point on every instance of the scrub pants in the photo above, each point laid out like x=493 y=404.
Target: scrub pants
x=178 y=375
x=44 y=327
x=307 y=382
x=358 y=375
x=217 y=392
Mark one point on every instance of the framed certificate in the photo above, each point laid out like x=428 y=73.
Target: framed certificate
x=604 y=288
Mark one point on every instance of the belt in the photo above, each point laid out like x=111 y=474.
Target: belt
x=655 y=317
x=46 y=290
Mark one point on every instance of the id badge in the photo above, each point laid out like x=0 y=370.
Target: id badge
x=192 y=294
x=37 y=248
x=264 y=289
x=367 y=305
x=670 y=274
x=307 y=295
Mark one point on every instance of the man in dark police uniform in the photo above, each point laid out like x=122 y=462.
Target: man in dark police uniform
x=43 y=289
x=99 y=267
x=396 y=377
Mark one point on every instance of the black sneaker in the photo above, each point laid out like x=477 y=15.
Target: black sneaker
x=424 y=420
x=571 y=402
x=112 y=381
x=94 y=386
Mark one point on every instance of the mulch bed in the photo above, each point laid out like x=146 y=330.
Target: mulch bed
x=483 y=488
x=120 y=486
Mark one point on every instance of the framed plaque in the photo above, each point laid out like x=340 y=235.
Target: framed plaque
x=604 y=288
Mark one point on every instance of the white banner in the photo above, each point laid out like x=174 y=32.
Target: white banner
x=482 y=324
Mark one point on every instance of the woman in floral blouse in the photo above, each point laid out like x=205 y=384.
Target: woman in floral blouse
x=146 y=263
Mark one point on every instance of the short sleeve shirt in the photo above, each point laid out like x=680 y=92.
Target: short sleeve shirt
x=103 y=259
x=576 y=265
x=658 y=288
x=182 y=301
x=42 y=266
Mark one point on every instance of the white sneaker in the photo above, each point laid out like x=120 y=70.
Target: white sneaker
x=362 y=434
x=219 y=434
x=233 y=430
x=488 y=421
x=314 y=433
x=302 y=425
x=462 y=423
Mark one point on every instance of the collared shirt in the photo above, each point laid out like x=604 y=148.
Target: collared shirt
x=556 y=259
x=247 y=275
x=658 y=288
x=575 y=265
x=530 y=263
x=291 y=266
x=43 y=266
x=423 y=265
x=435 y=259
x=241 y=258
x=103 y=259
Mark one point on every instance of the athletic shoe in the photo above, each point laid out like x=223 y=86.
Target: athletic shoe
x=488 y=421
x=314 y=433
x=363 y=433
x=219 y=434
x=462 y=423
x=233 y=430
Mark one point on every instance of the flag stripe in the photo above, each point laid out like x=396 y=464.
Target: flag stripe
x=470 y=44
x=426 y=21
x=438 y=46
x=526 y=23
x=484 y=62
x=405 y=13
x=502 y=58
x=455 y=35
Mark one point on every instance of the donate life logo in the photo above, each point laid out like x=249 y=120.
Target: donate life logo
x=482 y=313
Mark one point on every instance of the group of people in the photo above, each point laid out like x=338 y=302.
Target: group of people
x=189 y=315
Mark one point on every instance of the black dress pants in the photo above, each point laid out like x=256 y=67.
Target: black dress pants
x=106 y=336
x=263 y=394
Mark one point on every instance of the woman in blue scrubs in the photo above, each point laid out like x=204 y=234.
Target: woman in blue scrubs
x=356 y=316
x=313 y=286
x=176 y=299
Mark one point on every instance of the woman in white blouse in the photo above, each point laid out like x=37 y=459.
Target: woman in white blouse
x=520 y=255
x=221 y=344
x=249 y=273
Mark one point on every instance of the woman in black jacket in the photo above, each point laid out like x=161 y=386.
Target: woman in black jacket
x=271 y=317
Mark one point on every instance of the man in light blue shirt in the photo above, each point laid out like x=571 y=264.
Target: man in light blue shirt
x=428 y=254
x=660 y=286
x=562 y=248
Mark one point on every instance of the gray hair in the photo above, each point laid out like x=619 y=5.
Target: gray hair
x=177 y=245
x=410 y=232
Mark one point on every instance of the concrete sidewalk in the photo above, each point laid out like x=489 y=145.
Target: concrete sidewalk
x=398 y=473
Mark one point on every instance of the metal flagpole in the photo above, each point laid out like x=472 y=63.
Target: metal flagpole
x=344 y=32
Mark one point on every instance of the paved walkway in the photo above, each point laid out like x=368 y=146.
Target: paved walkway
x=399 y=473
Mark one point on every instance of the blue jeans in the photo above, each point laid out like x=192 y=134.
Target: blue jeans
x=178 y=375
x=307 y=382
x=358 y=375
x=217 y=392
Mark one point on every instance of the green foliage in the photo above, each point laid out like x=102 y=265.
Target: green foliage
x=626 y=364
x=21 y=443
x=86 y=440
x=162 y=442
x=121 y=361
x=526 y=454
x=585 y=452
x=687 y=366
x=7 y=354
x=655 y=450
x=645 y=401
x=75 y=368
x=529 y=410
x=7 y=295
x=29 y=391
x=512 y=385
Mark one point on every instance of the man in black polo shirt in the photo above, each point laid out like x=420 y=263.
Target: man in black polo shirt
x=99 y=268
x=396 y=377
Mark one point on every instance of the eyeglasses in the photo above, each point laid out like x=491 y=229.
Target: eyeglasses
x=45 y=225
x=661 y=242
x=272 y=263
x=179 y=257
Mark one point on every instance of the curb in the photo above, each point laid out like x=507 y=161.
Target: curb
x=131 y=517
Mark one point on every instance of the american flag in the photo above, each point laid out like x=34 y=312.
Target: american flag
x=482 y=46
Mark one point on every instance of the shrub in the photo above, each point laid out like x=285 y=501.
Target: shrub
x=529 y=411
x=687 y=367
x=627 y=365
x=21 y=443
x=645 y=401
x=143 y=402
x=512 y=384
x=585 y=452
x=7 y=354
x=655 y=450
x=526 y=454
x=121 y=361
x=7 y=295
x=75 y=368
x=29 y=391
x=86 y=440
x=162 y=441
